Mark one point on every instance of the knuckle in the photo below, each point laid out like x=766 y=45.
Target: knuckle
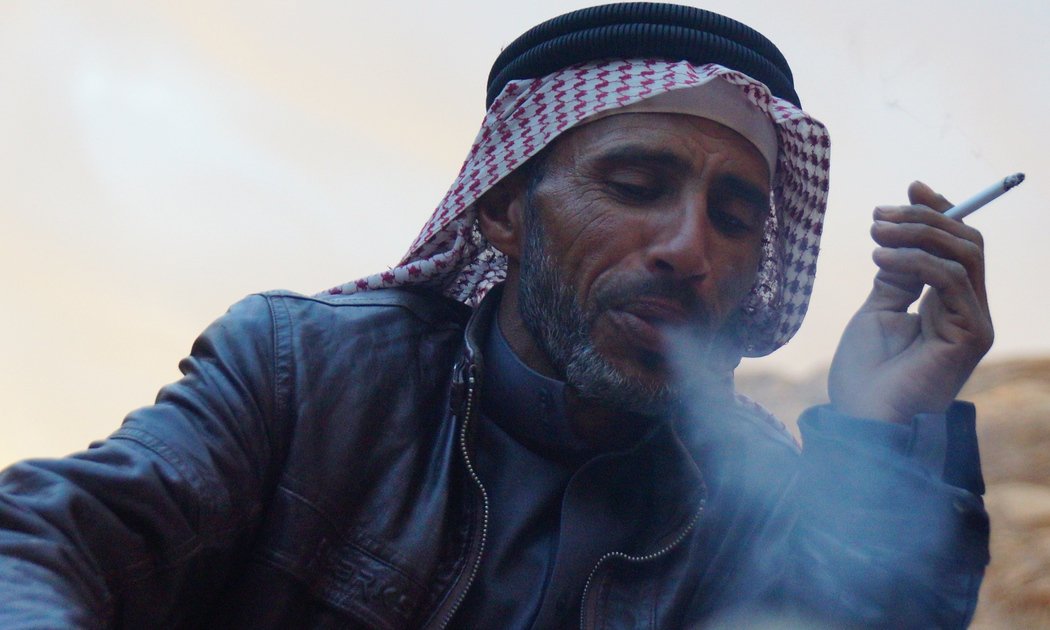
x=956 y=270
x=973 y=252
x=980 y=337
x=978 y=240
x=971 y=234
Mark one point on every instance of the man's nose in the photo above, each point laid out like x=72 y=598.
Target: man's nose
x=680 y=246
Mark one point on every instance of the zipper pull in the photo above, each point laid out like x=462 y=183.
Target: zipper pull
x=462 y=373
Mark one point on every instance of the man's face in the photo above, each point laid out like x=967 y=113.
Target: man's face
x=640 y=224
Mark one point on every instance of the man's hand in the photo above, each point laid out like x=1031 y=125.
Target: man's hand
x=892 y=364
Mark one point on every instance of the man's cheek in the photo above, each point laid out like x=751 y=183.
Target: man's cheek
x=737 y=283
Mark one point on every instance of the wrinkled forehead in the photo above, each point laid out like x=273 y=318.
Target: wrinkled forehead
x=718 y=101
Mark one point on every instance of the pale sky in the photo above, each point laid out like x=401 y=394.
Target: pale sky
x=159 y=160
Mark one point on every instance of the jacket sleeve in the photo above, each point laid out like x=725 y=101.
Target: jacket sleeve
x=891 y=529
x=149 y=519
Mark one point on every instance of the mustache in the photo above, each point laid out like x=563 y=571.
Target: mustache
x=636 y=290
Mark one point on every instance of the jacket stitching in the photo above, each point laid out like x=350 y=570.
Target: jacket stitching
x=347 y=540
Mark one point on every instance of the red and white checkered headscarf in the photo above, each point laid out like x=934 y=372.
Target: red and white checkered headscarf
x=452 y=256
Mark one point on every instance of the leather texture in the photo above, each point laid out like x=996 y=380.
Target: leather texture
x=308 y=472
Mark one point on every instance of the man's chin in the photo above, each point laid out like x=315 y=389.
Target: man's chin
x=645 y=370
x=649 y=362
x=636 y=384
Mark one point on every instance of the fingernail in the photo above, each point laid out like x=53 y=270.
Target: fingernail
x=881 y=212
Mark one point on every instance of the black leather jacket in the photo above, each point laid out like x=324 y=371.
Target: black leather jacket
x=312 y=469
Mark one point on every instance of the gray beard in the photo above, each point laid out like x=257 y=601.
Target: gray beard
x=554 y=317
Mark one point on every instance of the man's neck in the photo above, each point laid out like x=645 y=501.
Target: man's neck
x=517 y=335
x=601 y=427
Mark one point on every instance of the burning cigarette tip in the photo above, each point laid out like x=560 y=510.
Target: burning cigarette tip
x=980 y=199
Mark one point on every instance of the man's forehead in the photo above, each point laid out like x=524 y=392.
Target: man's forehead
x=671 y=140
x=654 y=126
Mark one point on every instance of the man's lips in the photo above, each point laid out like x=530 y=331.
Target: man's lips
x=658 y=311
x=644 y=321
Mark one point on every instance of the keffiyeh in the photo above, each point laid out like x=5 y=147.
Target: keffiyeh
x=451 y=256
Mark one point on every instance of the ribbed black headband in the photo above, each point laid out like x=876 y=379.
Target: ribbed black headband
x=642 y=30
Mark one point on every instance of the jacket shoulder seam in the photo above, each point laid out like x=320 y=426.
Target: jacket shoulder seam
x=425 y=306
x=283 y=374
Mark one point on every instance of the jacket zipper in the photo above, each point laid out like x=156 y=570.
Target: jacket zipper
x=468 y=412
x=629 y=558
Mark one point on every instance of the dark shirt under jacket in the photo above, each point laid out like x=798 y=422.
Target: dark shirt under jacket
x=549 y=492
x=526 y=454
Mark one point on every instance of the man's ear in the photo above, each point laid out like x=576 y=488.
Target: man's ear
x=500 y=215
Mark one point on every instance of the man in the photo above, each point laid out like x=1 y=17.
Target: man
x=530 y=422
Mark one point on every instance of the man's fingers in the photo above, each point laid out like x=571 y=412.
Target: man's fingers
x=948 y=277
x=937 y=242
x=921 y=227
x=926 y=237
x=919 y=247
x=921 y=194
x=925 y=215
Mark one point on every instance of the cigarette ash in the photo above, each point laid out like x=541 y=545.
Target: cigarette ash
x=1013 y=180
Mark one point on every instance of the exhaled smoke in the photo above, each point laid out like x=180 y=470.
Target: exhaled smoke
x=849 y=527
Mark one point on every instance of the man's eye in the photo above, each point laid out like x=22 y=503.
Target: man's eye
x=635 y=192
x=728 y=224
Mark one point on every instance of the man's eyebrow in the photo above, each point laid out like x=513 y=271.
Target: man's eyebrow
x=670 y=160
x=639 y=155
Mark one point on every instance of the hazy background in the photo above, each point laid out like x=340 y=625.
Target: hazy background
x=160 y=160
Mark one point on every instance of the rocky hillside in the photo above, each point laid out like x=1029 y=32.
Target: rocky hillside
x=1013 y=404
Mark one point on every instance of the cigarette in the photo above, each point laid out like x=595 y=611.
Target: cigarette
x=974 y=203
